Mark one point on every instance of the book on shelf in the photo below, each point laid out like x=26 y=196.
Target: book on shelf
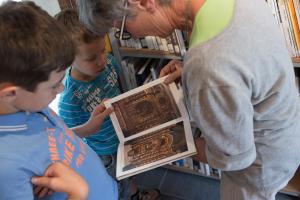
x=153 y=127
x=192 y=166
x=294 y=21
x=143 y=72
x=173 y=44
x=287 y=14
x=148 y=79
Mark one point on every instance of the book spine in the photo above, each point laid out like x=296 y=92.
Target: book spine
x=297 y=9
x=180 y=41
x=294 y=22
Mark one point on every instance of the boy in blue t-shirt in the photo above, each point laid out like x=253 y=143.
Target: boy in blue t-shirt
x=34 y=53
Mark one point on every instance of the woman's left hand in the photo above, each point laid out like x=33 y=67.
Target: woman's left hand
x=173 y=69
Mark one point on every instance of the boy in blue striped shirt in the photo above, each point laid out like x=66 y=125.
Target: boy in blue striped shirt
x=92 y=77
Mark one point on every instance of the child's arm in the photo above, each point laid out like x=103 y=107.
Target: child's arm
x=94 y=123
x=62 y=178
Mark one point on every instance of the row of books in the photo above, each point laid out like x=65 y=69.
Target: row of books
x=173 y=44
x=287 y=14
x=198 y=167
x=139 y=71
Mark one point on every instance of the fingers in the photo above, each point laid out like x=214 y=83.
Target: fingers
x=99 y=109
x=54 y=179
x=41 y=182
x=172 y=77
x=173 y=69
x=106 y=112
x=54 y=169
x=102 y=109
x=43 y=192
x=169 y=68
x=37 y=190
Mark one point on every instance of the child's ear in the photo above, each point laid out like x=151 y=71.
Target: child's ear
x=8 y=93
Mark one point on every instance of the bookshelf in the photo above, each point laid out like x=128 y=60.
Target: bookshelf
x=122 y=52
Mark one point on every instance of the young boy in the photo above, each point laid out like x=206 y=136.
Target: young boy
x=93 y=76
x=34 y=52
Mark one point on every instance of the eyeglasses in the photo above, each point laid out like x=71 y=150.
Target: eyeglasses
x=123 y=34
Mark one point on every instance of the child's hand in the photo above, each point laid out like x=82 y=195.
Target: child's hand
x=97 y=118
x=173 y=69
x=93 y=125
x=41 y=192
x=61 y=178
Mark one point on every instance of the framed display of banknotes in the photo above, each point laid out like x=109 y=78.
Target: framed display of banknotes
x=153 y=127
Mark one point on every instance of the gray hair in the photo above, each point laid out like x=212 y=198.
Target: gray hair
x=99 y=15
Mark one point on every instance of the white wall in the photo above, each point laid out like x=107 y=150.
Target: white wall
x=1 y=1
x=51 y=6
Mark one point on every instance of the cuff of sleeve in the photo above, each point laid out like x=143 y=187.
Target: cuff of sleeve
x=224 y=162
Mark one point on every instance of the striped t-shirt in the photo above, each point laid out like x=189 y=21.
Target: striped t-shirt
x=80 y=98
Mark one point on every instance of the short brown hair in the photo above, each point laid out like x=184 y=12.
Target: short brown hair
x=32 y=45
x=79 y=33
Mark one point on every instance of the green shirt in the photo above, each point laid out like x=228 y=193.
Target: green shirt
x=211 y=19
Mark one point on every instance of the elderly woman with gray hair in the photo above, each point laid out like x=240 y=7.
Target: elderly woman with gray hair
x=238 y=83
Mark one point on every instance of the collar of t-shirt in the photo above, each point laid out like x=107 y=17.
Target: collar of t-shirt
x=21 y=121
x=211 y=19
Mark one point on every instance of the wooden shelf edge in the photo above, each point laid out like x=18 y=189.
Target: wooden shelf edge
x=131 y=52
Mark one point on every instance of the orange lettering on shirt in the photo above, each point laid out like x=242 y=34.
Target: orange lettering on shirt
x=79 y=160
x=68 y=151
x=52 y=130
x=69 y=132
x=68 y=155
x=54 y=157
x=69 y=145
x=53 y=148
x=51 y=141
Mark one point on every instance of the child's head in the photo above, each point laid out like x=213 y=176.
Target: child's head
x=90 y=58
x=34 y=52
